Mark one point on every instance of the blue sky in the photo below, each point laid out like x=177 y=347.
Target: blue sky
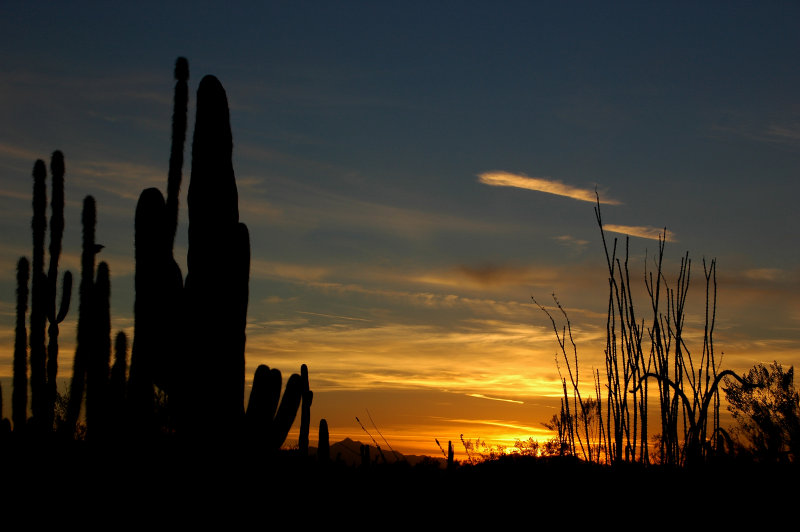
x=364 y=138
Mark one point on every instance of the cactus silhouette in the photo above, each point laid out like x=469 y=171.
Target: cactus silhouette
x=324 y=446
x=54 y=317
x=86 y=320
x=97 y=369
x=174 y=177
x=159 y=338
x=216 y=288
x=266 y=426
x=44 y=362
x=151 y=321
x=19 y=394
x=117 y=386
x=38 y=381
x=305 y=412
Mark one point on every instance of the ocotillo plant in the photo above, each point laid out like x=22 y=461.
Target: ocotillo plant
x=305 y=412
x=19 y=397
x=265 y=426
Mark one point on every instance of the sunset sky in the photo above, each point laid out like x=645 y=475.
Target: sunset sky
x=413 y=173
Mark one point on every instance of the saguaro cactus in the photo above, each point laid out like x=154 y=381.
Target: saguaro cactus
x=38 y=294
x=44 y=362
x=55 y=317
x=216 y=288
x=97 y=369
x=159 y=339
x=19 y=394
x=86 y=321
x=116 y=388
x=305 y=411
x=324 y=446
x=266 y=426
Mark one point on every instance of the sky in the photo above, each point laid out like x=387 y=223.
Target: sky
x=414 y=173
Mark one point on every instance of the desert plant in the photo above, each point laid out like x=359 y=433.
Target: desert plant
x=44 y=359
x=19 y=397
x=324 y=445
x=305 y=411
x=688 y=390
x=268 y=422
x=86 y=316
x=767 y=412
x=97 y=363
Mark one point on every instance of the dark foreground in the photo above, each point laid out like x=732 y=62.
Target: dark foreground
x=171 y=486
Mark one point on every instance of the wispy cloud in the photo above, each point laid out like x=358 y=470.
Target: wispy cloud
x=541 y=184
x=481 y=396
x=641 y=231
x=574 y=243
x=764 y=274
x=334 y=316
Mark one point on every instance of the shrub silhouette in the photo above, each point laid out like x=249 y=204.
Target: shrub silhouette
x=766 y=408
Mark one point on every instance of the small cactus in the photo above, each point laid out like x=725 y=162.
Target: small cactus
x=305 y=411
x=324 y=446
x=265 y=425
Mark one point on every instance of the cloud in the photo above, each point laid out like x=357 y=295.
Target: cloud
x=481 y=396
x=574 y=243
x=541 y=184
x=764 y=274
x=641 y=231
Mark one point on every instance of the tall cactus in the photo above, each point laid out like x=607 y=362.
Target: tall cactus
x=86 y=320
x=150 y=321
x=174 y=177
x=159 y=339
x=305 y=411
x=97 y=367
x=55 y=317
x=38 y=381
x=116 y=388
x=216 y=288
x=44 y=361
x=19 y=394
